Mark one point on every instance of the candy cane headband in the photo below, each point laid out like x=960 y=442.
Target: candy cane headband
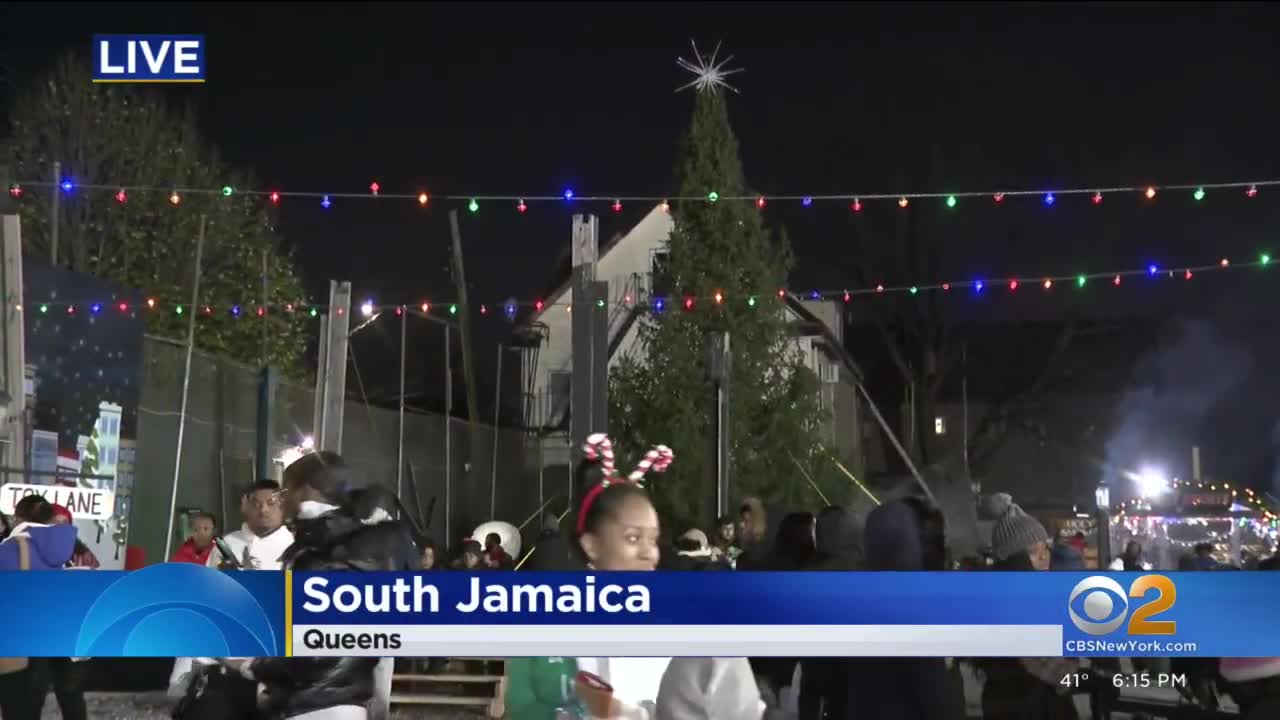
x=598 y=447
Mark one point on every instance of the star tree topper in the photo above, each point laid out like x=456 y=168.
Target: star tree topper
x=709 y=73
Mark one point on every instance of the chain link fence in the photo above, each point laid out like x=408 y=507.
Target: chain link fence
x=219 y=447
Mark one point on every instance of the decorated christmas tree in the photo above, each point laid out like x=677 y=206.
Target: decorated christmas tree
x=723 y=269
x=89 y=460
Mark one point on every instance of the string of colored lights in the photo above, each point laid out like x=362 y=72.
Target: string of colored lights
x=1249 y=498
x=660 y=303
x=855 y=200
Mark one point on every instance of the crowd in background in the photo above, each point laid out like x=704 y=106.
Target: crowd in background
x=334 y=524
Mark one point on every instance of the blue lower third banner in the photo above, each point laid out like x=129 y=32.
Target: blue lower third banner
x=188 y=610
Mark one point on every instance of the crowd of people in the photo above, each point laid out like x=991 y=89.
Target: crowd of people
x=322 y=518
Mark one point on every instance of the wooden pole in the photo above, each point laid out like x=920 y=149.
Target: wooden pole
x=460 y=287
x=404 y=319
x=448 y=433
x=497 y=417
x=16 y=431
x=186 y=388
x=56 y=220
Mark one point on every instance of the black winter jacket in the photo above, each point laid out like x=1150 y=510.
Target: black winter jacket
x=339 y=542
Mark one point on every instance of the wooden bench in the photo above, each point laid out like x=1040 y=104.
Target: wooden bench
x=459 y=685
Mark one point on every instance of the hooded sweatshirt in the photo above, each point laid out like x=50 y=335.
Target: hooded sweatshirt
x=898 y=688
x=709 y=689
x=49 y=546
x=839 y=540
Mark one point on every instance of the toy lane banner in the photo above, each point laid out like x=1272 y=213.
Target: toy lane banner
x=84 y=503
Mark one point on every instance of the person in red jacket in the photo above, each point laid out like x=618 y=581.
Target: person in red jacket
x=197 y=547
x=82 y=557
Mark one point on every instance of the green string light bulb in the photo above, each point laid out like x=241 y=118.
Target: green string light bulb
x=1265 y=259
x=914 y=290
x=1199 y=194
x=951 y=201
x=599 y=303
x=751 y=301
x=473 y=206
x=227 y=190
x=177 y=310
x=713 y=196
x=453 y=309
x=1080 y=281
x=314 y=312
x=44 y=308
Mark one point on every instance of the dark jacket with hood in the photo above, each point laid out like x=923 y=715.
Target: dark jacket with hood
x=552 y=551
x=839 y=540
x=822 y=680
x=339 y=541
x=896 y=539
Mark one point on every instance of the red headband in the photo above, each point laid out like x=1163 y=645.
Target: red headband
x=599 y=447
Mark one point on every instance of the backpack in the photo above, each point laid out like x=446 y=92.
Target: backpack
x=216 y=694
x=13 y=665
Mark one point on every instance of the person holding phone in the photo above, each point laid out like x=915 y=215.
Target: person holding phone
x=262 y=540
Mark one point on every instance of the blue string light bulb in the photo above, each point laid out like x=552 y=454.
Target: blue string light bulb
x=1049 y=199
x=325 y=202
x=568 y=194
x=66 y=185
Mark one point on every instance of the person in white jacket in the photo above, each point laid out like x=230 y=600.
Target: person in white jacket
x=709 y=689
x=258 y=545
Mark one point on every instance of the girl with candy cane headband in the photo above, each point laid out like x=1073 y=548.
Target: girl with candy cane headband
x=617 y=525
x=617 y=529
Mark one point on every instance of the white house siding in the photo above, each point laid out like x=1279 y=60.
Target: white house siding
x=627 y=266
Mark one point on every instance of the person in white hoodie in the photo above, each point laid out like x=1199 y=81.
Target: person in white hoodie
x=258 y=545
x=709 y=689
x=261 y=542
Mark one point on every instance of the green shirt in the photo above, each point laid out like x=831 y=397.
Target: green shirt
x=537 y=687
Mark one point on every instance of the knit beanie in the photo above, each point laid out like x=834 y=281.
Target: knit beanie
x=1014 y=530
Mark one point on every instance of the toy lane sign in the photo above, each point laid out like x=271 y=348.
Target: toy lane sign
x=84 y=503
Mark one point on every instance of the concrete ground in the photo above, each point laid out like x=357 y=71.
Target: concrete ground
x=155 y=706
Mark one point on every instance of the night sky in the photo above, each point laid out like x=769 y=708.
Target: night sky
x=495 y=99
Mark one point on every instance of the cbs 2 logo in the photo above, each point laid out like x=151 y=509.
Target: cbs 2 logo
x=1098 y=605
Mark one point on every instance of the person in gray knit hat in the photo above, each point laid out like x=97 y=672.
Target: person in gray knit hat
x=1015 y=532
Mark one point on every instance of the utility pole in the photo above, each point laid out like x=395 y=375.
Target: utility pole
x=468 y=361
x=719 y=364
x=589 y=388
x=331 y=375
x=464 y=324
x=186 y=388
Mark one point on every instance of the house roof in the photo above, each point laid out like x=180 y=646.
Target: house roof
x=815 y=326
x=562 y=269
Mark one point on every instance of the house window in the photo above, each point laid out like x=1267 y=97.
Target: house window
x=939 y=426
x=661 y=282
x=559 y=388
